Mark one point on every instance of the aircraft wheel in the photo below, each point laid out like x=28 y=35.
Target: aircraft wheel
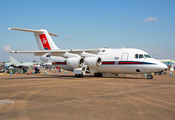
x=98 y=74
x=76 y=75
x=165 y=73
x=149 y=77
x=160 y=72
x=79 y=75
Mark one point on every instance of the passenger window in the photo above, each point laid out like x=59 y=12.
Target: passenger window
x=136 y=56
x=141 y=56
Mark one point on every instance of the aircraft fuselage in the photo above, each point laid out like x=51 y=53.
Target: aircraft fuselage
x=117 y=61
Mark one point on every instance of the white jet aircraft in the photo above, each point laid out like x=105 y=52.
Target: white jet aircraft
x=97 y=61
x=15 y=63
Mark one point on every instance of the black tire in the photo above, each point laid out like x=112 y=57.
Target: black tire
x=98 y=74
x=149 y=77
x=79 y=75
x=76 y=75
x=160 y=73
x=165 y=73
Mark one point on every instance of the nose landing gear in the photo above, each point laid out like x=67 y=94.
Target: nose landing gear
x=149 y=76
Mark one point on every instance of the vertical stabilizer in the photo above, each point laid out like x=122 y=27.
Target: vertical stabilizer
x=42 y=37
x=13 y=61
x=44 y=41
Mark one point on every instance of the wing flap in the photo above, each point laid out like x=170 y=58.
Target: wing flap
x=39 y=54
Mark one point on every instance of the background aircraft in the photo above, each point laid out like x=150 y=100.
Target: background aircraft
x=15 y=63
x=97 y=61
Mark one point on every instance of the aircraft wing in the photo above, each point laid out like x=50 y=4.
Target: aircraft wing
x=62 y=53
x=26 y=64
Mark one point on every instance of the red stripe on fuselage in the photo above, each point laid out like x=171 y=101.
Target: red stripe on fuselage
x=108 y=63
x=45 y=41
x=59 y=63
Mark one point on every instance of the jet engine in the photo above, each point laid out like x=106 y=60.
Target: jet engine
x=75 y=62
x=93 y=61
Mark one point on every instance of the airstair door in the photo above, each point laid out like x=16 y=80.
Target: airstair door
x=125 y=56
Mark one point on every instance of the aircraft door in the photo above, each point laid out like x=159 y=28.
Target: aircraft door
x=125 y=56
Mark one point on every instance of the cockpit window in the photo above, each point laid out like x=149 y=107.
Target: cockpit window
x=136 y=56
x=141 y=56
x=147 y=56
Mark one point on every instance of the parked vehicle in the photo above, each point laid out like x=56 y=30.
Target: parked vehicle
x=2 y=67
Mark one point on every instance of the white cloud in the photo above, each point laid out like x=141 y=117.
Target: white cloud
x=69 y=36
x=7 y=48
x=157 y=51
x=149 y=19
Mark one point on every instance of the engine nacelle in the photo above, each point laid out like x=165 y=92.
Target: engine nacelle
x=76 y=62
x=93 y=61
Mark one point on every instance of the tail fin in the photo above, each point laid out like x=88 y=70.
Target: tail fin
x=42 y=37
x=15 y=62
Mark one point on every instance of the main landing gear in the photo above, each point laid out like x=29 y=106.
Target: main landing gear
x=149 y=77
x=98 y=74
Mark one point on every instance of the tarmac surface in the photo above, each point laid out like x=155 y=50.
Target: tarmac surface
x=60 y=96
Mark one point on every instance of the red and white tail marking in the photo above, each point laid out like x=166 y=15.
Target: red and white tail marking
x=42 y=37
x=44 y=42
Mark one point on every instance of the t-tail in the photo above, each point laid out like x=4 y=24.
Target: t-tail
x=42 y=37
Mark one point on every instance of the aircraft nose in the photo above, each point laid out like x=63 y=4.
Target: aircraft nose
x=162 y=66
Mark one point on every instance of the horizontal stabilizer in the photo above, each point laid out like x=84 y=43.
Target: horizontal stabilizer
x=34 y=31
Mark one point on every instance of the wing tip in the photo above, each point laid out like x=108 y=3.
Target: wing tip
x=13 y=52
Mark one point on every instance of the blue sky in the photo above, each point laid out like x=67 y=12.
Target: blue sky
x=148 y=25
